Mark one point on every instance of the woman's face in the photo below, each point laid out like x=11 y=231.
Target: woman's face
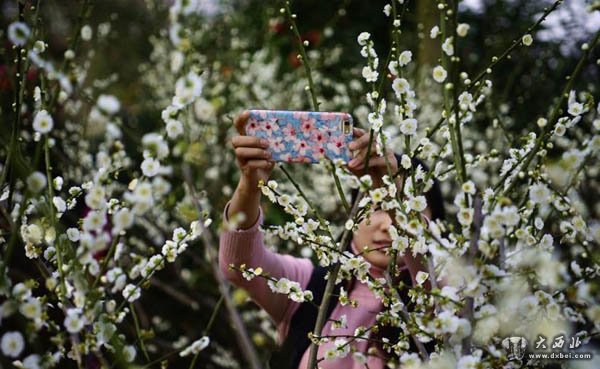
x=374 y=232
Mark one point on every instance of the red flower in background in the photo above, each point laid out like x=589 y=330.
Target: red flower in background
x=5 y=83
x=312 y=36
x=32 y=74
x=293 y=59
x=276 y=27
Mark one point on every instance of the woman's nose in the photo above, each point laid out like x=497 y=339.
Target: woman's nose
x=385 y=223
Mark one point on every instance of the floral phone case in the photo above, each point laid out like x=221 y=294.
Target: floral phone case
x=302 y=136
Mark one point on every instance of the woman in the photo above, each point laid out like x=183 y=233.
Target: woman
x=294 y=320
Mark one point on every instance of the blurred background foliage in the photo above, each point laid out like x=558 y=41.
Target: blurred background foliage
x=531 y=77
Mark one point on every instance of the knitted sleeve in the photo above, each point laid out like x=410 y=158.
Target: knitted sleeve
x=246 y=246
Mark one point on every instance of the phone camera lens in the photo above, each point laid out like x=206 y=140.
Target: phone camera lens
x=346 y=126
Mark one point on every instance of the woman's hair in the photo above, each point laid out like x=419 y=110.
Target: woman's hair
x=435 y=201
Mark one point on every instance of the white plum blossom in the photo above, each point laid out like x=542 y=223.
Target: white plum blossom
x=448 y=46
x=204 y=110
x=57 y=183
x=170 y=113
x=439 y=74
x=86 y=33
x=160 y=186
x=528 y=306
x=363 y=38
x=43 y=122
x=376 y=121
x=393 y=67
x=465 y=101
x=59 y=204
x=349 y=224
x=290 y=288
x=74 y=321
x=465 y=216
x=36 y=182
x=469 y=187
x=404 y=58
x=38 y=47
x=468 y=362
x=33 y=361
x=283 y=285
x=142 y=197
x=196 y=347
x=18 y=33
x=32 y=233
x=400 y=86
x=445 y=322
x=369 y=74
x=177 y=60
x=575 y=108
x=174 y=128
x=560 y=129
x=131 y=293
x=527 y=40
x=122 y=220
x=405 y=162
x=340 y=349
x=95 y=198
x=378 y=194
x=155 y=145
x=421 y=277
x=94 y=221
x=108 y=104
x=417 y=203
x=408 y=126
x=539 y=193
x=31 y=308
x=176 y=34
x=169 y=250
x=12 y=344
x=187 y=89
x=435 y=31
x=387 y=9
x=129 y=353
x=150 y=167
x=73 y=234
x=105 y=332
x=462 y=29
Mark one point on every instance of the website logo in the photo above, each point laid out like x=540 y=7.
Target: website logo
x=515 y=347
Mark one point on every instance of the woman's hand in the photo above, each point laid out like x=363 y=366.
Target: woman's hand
x=253 y=158
x=255 y=164
x=377 y=164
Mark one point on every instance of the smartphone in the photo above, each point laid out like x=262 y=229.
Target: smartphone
x=302 y=136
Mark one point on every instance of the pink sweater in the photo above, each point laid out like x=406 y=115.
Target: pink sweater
x=246 y=247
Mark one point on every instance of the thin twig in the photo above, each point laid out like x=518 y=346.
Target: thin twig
x=321 y=316
x=404 y=313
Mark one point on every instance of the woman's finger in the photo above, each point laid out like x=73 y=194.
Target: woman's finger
x=362 y=154
x=259 y=164
x=249 y=141
x=240 y=122
x=382 y=162
x=360 y=157
x=360 y=142
x=378 y=161
x=374 y=161
x=249 y=153
x=358 y=132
